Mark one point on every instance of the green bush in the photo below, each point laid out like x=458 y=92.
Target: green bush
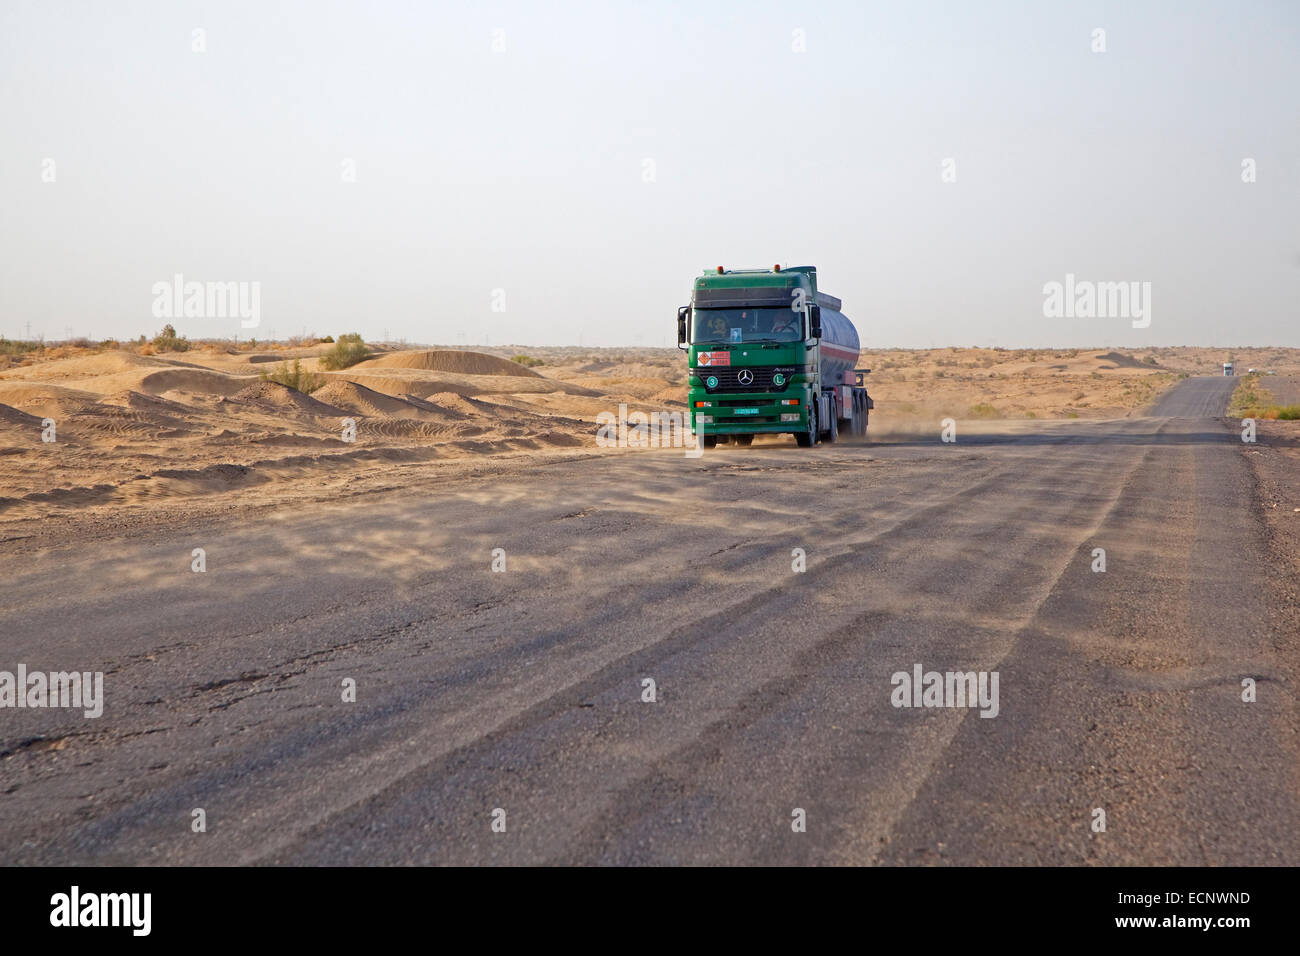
x=526 y=360
x=347 y=351
x=1289 y=413
x=1249 y=399
x=983 y=410
x=295 y=377
x=168 y=341
x=17 y=348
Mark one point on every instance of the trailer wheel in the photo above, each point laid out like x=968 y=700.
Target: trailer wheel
x=859 y=415
x=833 y=432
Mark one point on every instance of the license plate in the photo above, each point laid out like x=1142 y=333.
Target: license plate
x=746 y=411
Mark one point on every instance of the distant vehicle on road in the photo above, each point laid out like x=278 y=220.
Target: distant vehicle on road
x=1228 y=369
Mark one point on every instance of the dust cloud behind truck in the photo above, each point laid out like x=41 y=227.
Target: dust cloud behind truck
x=769 y=353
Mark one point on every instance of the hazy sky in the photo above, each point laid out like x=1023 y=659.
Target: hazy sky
x=525 y=170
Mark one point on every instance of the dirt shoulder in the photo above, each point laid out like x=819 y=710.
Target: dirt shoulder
x=1275 y=460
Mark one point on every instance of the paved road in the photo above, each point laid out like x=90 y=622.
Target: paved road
x=523 y=690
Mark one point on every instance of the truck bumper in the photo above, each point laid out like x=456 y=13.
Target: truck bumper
x=748 y=415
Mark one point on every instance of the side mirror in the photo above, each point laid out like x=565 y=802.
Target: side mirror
x=815 y=321
x=681 y=325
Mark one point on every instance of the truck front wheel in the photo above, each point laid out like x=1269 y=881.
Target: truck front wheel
x=809 y=438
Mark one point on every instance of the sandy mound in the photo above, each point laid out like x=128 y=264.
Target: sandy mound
x=446 y=410
x=93 y=366
x=192 y=380
x=279 y=397
x=20 y=393
x=111 y=373
x=642 y=388
x=360 y=400
x=670 y=396
x=1121 y=360
x=449 y=360
x=146 y=403
x=405 y=381
x=52 y=400
x=13 y=416
x=458 y=406
x=454 y=401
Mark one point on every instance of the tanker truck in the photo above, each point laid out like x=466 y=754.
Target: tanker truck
x=770 y=353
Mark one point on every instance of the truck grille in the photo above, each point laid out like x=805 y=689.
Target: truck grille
x=729 y=378
x=746 y=419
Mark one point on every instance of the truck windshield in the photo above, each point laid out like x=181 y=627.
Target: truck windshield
x=721 y=326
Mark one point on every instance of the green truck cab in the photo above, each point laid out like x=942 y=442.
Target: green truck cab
x=769 y=353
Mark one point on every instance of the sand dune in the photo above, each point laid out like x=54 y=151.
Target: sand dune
x=359 y=400
x=45 y=400
x=194 y=380
x=429 y=405
x=136 y=428
x=112 y=372
x=282 y=398
x=1120 y=360
x=449 y=360
x=397 y=381
x=14 y=416
x=93 y=366
x=146 y=403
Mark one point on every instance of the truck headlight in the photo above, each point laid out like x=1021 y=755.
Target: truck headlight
x=708 y=419
x=789 y=418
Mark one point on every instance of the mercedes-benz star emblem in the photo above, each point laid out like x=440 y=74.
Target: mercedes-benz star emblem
x=745 y=377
